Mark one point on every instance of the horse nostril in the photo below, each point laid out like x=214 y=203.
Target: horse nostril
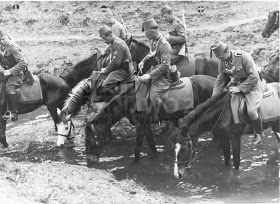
x=61 y=146
x=180 y=175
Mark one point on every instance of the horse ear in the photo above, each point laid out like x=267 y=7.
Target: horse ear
x=58 y=111
x=68 y=117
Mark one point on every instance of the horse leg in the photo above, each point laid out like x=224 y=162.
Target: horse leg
x=54 y=115
x=150 y=139
x=224 y=142
x=276 y=129
x=140 y=132
x=3 y=140
x=235 y=145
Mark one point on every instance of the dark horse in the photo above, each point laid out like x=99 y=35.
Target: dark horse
x=124 y=105
x=272 y=24
x=198 y=64
x=270 y=73
x=55 y=90
x=213 y=115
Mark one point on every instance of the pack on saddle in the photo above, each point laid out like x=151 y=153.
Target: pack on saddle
x=269 y=109
x=19 y=85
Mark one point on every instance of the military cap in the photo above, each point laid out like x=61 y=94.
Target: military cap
x=151 y=23
x=103 y=8
x=165 y=10
x=219 y=48
x=105 y=30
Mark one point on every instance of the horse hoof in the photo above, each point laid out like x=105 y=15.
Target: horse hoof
x=227 y=164
x=236 y=168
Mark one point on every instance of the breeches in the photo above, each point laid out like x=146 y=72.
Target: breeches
x=13 y=83
x=253 y=102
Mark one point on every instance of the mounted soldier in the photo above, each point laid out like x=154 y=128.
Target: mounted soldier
x=245 y=79
x=120 y=67
x=176 y=35
x=15 y=71
x=160 y=74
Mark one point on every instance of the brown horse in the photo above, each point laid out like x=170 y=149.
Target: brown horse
x=213 y=115
x=124 y=105
x=55 y=90
x=272 y=24
x=270 y=73
x=198 y=64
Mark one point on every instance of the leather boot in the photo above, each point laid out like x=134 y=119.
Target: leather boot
x=258 y=127
x=3 y=141
x=157 y=109
x=13 y=108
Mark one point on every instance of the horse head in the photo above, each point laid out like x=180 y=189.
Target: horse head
x=272 y=24
x=64 y=126
x=184 y=151
x=72 y=105
x=95 y=141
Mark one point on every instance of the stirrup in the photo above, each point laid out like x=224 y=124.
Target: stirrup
x=10 y=116
x=257 y=140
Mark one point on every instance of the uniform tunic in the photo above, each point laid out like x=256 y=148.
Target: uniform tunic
x=13 y=61
x=244 y=72
x=115 y=70
x=177 y=37
x=118 y=30
x=160 y=73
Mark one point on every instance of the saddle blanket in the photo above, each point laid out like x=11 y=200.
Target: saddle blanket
x=30 y=93
x=179 y=97
x=269 y=109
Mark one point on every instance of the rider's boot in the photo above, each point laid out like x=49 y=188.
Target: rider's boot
x=3 y=141
x=258 y=127
x=13 y=107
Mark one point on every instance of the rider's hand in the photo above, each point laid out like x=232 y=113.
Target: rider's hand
x=103 y=52
x=234 y=89
x=166 y=36
x=6 y=72
x=141 y=66
x=102 y=70
x=145 y=77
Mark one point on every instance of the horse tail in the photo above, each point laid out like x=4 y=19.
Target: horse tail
x=77 y=97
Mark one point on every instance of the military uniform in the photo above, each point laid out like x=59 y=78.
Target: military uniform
x=177 y=36
x=118 y=30
x=244 y=72
x=160 y=73
x=120 y=68
x=13 y=61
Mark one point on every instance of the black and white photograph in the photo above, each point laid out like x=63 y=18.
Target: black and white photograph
x=144 y=102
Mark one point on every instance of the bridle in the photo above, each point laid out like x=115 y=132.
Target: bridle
x=69 y=132
x=189 y=141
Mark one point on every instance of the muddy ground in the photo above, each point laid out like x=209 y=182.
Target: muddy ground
x=54 y=35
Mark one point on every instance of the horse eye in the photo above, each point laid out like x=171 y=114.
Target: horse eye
x=67 y=128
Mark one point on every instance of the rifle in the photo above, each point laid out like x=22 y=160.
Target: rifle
x=122 y=21
x=183 y=48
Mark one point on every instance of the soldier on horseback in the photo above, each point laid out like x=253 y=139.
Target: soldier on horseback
x=15 y=67
x=245 y=79
x=118 y=29
x=176 y=35
x=160 y=73
x=120 y=67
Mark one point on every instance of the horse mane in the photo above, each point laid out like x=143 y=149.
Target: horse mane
x=75 y=100
x=140 y=43
x=108 y=108
x=80 y=70
x=202 y=108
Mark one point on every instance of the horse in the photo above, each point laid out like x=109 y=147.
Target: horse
x=124 y=105
x=214 y=115
x=198 y=64
x=272 y=24
x=55 y=90
x=270 y=73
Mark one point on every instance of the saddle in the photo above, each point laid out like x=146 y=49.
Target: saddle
x=30 y=93
x=269 y=109
x=177 y=97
